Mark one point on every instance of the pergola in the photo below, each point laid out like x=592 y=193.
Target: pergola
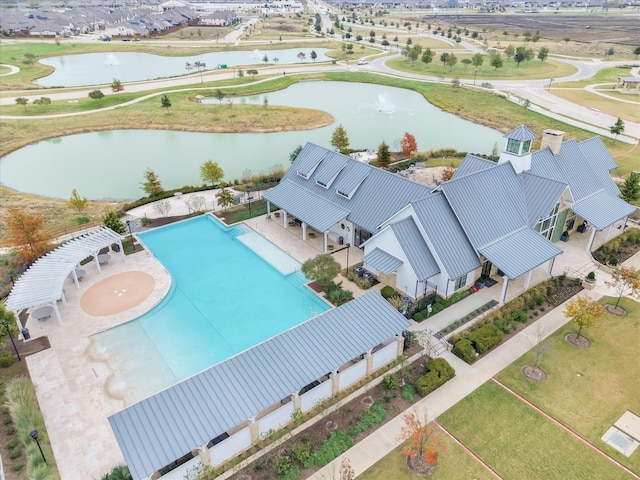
x=42 y=283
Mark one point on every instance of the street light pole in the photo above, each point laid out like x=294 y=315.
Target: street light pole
x=474 y=77
x=6 y=325
x=131 y=235
x=550 y=81
x=34 y=435
x=348 y=247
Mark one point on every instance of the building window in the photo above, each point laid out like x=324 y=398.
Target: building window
x=513 y=146
x=460 y=282
x=546 y=226
x=526 y=146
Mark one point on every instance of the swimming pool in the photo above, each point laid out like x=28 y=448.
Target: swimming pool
x=224 y=299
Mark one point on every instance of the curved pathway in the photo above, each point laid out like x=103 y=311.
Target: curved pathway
x=12 y=69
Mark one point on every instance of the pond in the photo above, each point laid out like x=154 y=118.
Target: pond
x=102 y=68
x=111 y=164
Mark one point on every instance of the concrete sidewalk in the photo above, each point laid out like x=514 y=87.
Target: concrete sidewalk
x=468 y=378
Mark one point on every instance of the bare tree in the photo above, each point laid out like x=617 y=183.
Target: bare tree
x=162 y=207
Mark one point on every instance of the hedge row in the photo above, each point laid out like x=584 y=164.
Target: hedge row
x=440 y=304
x=438 y=371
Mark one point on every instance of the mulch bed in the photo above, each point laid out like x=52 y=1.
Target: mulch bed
x=343 y=418
x=577 y=340
x=534 y=373
x=613 y=310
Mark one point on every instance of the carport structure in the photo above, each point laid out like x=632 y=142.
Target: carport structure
x=42 y=283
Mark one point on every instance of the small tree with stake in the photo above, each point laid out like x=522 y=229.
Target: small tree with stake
x=617 y=128
x=165 y=102
x=584 y=312
x=424 y=443
x=624 y=279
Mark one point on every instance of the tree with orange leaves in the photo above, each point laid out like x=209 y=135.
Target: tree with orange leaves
x=448 y=172
x=584 y=312
x=27 y=234
x=424 y=444
x=625 y=279
x=408 y=145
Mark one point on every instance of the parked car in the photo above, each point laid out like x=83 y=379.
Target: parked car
x=362 y=61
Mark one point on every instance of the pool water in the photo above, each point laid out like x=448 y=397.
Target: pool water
x=224 y=299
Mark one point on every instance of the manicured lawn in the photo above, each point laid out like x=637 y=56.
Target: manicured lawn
x=453 y=462
x=521 y=444
x=588 y=389
x=626 y=111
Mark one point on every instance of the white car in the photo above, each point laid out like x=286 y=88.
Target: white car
x=362 y=61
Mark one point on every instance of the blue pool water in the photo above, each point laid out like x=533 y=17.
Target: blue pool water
x=224 y=299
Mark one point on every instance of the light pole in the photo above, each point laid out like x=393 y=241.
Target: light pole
x=34 y=435
x=348 y=247
x=474 y=77
x=6 y=325
x=550 y=81
x=130 y=235
x=249 y=197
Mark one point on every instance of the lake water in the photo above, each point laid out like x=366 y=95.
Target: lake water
x=102 y=68
x=111 y=164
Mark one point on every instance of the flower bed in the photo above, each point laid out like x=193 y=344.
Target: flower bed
x=619 y=249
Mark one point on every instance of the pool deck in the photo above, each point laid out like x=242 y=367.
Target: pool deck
x=70 y=377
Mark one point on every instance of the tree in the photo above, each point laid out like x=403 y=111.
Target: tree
x=116 y=86
x=252 y=72
x=302 y=56
x=408 y=145
x=384 y=156
x=151 y=185
x=211 y=172
x=294 y=154
x=583 y=311
x=27 y=234
x=424 y=443
x=624 y=279
x=219 y=95
x=165 y=102
x=630 y=190
x=448 y=172
x=96 y=95
x=45 y=101
x=322 y=269
x=617 y=128
x=314 y=55
x=265 y=59
x=7 y=316
x=22 y=101
x=477 y=60
x=77 y=202
x=112 y=221
x=443 y=58
x=496 y=61
x=519 y=56
x=162 y=207
x=543 y=53
x=414 y=53
x=340 y=140
x=201 y=67
x=385 y=43
x=466 y=62
x=636 y=52
x=427 y=56
x=188 y=67
x=451 y=61
x=224 y=198
x=510 y=50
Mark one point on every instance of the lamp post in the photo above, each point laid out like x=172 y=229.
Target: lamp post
x=550 y=81
x=6 y=325
x=34 y=435
x=249 y=198
x=474 y=77
x=348 y=247
x=131 y=235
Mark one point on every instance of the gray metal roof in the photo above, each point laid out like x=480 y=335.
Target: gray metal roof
x=541 y=196
x=520 y=251
x=158 y=430
x=543 y=164
x=446 y=235
x=521 y=133
x=472 y=164
x=603 y=209
x=382 y=261
x=488 y=204
x=413 y=245
x=595 y=151
x=378 y=196
x=309 y=207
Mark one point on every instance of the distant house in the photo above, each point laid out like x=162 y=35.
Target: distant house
x=219 y=18
x=491 y=218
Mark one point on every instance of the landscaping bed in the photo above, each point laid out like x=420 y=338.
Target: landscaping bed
x=619 y=249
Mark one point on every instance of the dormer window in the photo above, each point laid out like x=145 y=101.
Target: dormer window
x=342 y=194
x=322 y=184
x=302 y=174
x=526 y=146
x=513 y=146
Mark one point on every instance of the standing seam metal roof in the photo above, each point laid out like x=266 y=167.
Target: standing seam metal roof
x=603 y=209
x=156 y=431
x=413 y=245
x=382 y=261
x=521 y=134
x=541 y=194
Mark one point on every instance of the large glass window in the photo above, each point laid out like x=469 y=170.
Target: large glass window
x=547 y=225
x=513 y=146
x=526 y=146
x=461 y=282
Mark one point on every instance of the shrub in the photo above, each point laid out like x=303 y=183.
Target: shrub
x=6 y=359
x=301 y=451
x=10 y=430
x=11 y=444
x=420 y=315
x=456 y=297
x=17 y=467
x=389 y=292
x=485 y=338
x=369 y=418
x=505 y=324
x=81 y=220
x=438 y=307
x=438 y=372
x=409 y=393
x=613 y=261
x=441 y=367
x=337 y=443
x=390 y=381
x=283 y=465
x=519 y=316
x=15 y=453
x=540 y=299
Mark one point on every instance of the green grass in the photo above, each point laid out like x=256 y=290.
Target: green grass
x=519 y=443
x=453 y=463
x=608 y=382
x=626 y=111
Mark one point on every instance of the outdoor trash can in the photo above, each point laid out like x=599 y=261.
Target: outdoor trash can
x=25 y=333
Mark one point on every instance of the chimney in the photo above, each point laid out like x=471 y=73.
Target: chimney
x=552 y=139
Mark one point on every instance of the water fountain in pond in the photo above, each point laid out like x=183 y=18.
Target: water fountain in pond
x=384 y=104
x=112 y=60
x=256 y=54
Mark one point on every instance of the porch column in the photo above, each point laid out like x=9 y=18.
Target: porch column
x=325 y=237
x=369 y=358
x=400 y=340
x=254 y=428
x=204 y=454
x=624 y=221
x=608 y=232
x=297 y=403
x=16 y=313
x=503 y=295
x=590 y=243
x=97 y=262
x=285 y=219
x=551 y=262
x=121 y=250
x=75 y=277
x=58 y=316
x=335 y=382
x=304 y=231
x=268 y=208
x=527 y=280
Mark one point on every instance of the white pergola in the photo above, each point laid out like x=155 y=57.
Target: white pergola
x=42 y=283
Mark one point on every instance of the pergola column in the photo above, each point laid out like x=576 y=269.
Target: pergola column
x=400 y=340
x=97 y=262
x=325 y=238
x=58 y=316
x=591 y=239
x=204 y=454
x=304 y=231
x=369 y=358
x=527 y=280
x=551 y=262
x=503 y=295
x=254 y=428
x=285 y=219
x=297 y=401
x=335 y=382
x=608 y=232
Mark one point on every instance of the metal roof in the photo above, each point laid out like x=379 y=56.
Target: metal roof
x=156 y=431
x=415 y=248
x=44 y=279
x=521 y=133
x=595 y=151
x=382 y=261
x=543 y=164
x=602 y=209
x=520 y=251
x=472 y=164
x=446 y=235
x=541 y=196
x=489 y=204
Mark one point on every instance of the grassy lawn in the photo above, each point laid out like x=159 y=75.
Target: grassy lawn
x=453 y=462
x=521 y=444
x=626 y=111
x=588 y=389
x=526 y=71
